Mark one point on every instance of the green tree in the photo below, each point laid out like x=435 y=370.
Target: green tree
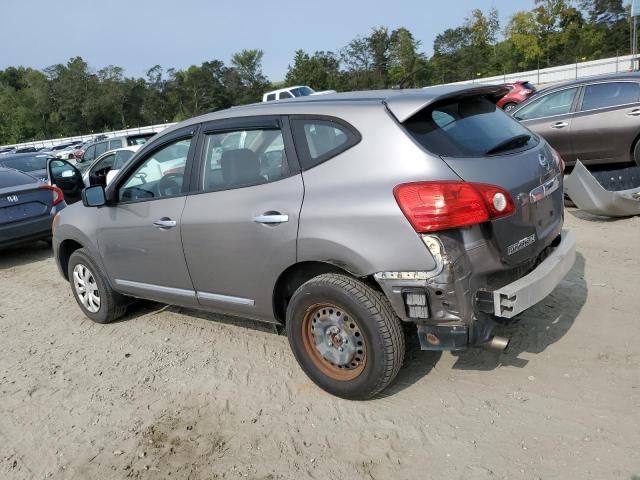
x=320 y=71
x=250 y=83
x=409 y=67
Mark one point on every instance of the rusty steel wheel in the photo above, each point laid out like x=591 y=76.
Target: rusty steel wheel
x=345 y=336
x=334 y=342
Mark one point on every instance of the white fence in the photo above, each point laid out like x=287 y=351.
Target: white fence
x=562 y=73
x=85 y=138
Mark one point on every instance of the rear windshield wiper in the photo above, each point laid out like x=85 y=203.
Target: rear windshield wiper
x=510 y=144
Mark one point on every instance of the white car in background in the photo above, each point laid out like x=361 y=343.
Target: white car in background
x=292 y=92
x=104 y=168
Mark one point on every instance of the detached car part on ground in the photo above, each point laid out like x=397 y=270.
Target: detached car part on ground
x=589 y=195
x=340 y=216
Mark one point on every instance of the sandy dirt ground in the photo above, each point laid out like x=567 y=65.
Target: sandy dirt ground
x=172 y=393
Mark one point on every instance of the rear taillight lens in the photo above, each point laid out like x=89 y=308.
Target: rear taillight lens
x=432 y=206
x=558 y=159
x=58 y=196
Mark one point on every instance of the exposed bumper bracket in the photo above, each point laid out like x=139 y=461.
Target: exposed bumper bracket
x=525 y=292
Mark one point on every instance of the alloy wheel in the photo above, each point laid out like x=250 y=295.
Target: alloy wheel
x=86 y=288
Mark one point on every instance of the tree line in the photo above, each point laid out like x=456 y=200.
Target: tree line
x=72 y=99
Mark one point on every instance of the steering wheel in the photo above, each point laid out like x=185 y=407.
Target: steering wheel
x=170 y=184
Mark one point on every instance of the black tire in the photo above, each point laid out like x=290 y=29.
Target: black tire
x=375 y=323
x=112 y=304
x=636 y=153
x=509 y=106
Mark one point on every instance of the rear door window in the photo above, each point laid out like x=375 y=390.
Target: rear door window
x=243 y=158
x=271 y=96
x=604 y=95
x=468 y=126
x=318 y=140
x=556 y=103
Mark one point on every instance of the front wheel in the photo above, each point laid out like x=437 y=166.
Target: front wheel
x=345 y=336
x=92 y=290
x=636 y=153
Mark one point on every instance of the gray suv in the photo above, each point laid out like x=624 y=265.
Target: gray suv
x=342 y=217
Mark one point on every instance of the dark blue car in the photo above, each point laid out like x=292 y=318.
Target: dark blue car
x=34 y=164
x=27 y=207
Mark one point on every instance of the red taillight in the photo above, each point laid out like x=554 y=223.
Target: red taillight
x=432 y=206
x=58 y=196
x=558 y=159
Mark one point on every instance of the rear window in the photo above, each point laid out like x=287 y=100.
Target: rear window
x=463 y=127
x=529 y=86
x=11 y=178
x=139 y=139
x=27 y=163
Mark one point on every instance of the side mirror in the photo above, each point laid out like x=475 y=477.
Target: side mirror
x=94 y=196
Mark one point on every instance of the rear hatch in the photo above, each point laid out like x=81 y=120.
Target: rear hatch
x=482 y=144
x=22 y=198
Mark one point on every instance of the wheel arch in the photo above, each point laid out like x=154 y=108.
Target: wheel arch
x=65 y=250
x=298 y=273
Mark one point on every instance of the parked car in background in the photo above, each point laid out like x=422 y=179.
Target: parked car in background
x=292 y=92
x=340 y=218
x=35 y=164
x=26 y=150
x=595 y=120
x=27 y=207
x=94 y=150
x=518 y=93
x=106 y=167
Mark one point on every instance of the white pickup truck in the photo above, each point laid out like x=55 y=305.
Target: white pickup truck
x=292 y=92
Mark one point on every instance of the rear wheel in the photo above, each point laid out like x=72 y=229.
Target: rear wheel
x=509 y=106
x=92 y=291
x=345 y=336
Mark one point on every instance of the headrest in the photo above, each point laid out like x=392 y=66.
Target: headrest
x=239 y=167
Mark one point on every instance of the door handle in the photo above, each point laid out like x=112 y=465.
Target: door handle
x=634 y=113
x=559 y=125
x=165 y=222
x=274 y=218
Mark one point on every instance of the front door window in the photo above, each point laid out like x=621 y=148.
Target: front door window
x=160 y=175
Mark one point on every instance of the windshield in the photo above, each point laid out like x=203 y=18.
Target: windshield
x=25 y=163
x=469 y=126
x=302 y=91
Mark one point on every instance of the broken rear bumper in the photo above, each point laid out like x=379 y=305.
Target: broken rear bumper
x=588 y=195
x=451 y=314
x=525 y=292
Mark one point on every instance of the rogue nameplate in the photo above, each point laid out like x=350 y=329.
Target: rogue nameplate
x=520 y=244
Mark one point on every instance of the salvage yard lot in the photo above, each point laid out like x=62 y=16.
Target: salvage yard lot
x=172 y=393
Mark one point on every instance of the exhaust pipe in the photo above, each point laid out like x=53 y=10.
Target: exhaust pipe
x=496 y=343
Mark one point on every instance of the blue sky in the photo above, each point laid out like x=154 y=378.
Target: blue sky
x=137 y=34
